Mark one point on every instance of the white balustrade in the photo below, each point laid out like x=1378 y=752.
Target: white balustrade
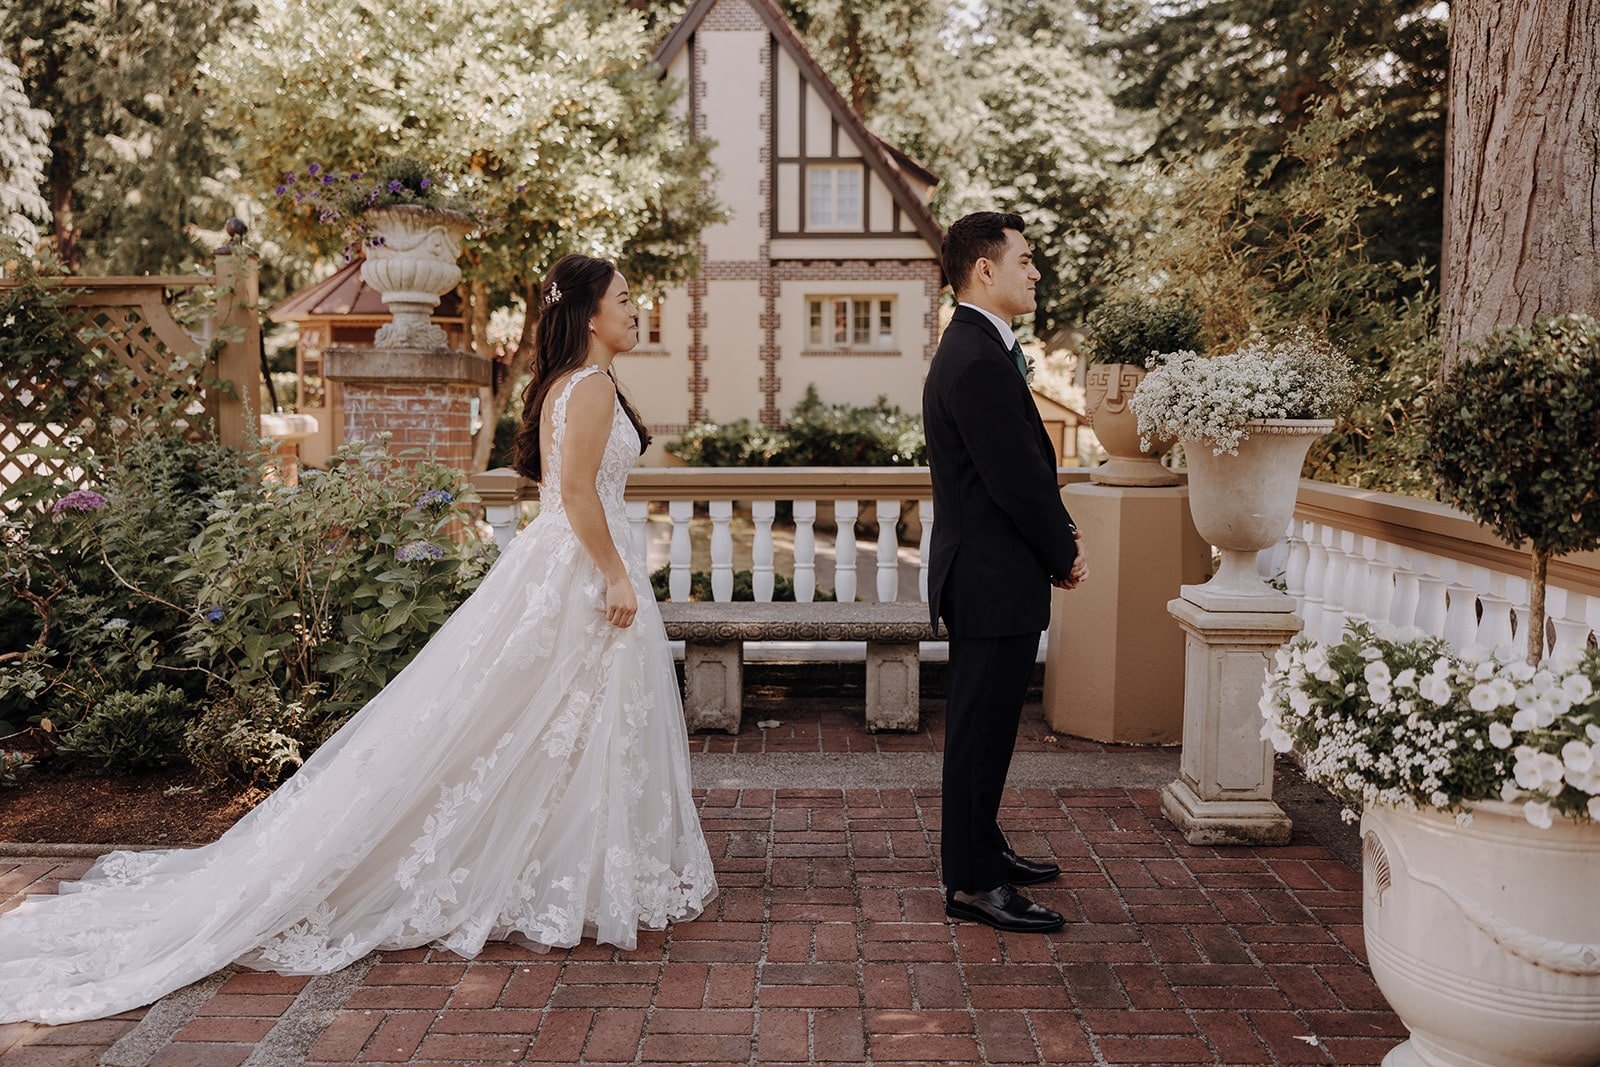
x=925 y=517
x=1380 y=579
x=1294 y=568
x=1494 y=625
x=1407 y=590
x=721 y=550
x=1569 y=619
x=680 y=512
x=762 y=512
x=1430 y=594
x=1333 y=586
x=844 y=550
x=1461 y=613
x=805 y=551
x=1316 y=579
x=888 y=551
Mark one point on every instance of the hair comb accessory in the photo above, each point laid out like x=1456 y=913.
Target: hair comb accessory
x=552 y=296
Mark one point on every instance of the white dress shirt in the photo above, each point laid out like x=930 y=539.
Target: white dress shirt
x=1007 y=336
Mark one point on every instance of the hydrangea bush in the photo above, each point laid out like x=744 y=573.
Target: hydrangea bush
x=1295 y=375
x=1385 y=717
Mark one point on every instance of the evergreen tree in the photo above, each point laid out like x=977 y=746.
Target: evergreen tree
x=24 y=151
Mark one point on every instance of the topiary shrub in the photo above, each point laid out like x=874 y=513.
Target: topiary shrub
x=1134 y=330
x=127 y=731
x=1514 y=438
x=815 y=435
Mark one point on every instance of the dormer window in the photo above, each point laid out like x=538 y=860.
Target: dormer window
x=833 y=197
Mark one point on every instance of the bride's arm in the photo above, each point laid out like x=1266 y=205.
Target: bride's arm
x=588 y=425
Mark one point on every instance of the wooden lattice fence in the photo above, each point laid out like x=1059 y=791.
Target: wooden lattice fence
x=196 y=380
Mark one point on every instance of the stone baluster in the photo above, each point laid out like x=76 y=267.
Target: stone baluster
x=1315 y=580
x=844 y=550
x=1461 y=613
x=1333 y=586
x=888 y=551
x=1517 y=593
x=1354 y=547
x=1380 y=580
x=1294 y=566
x=925 y=517
x=1430 y=594
x=1494 y=628
x=762 y=512
x=805 y=551
x=1568 y=618
x=1403 y=609
x=721 y=551
x=638 y=512
x=680 y=512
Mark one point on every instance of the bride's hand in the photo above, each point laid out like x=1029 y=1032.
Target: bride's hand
x=622 y=604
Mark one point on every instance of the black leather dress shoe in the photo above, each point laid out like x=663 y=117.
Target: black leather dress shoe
x=1027 y=872
x=1004 y=909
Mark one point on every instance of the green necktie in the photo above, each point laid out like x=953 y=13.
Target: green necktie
x=1019 y=359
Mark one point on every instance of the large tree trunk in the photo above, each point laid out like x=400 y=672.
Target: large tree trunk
x=521 y=360
x=1522 y=166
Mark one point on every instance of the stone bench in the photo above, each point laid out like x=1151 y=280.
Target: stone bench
x=714 y=636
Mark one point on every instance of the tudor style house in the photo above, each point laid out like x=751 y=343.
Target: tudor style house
x=826 y=272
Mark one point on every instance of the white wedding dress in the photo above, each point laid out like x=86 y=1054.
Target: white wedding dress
x=526 y=773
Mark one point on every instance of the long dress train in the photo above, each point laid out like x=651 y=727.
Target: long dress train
x=527 y=772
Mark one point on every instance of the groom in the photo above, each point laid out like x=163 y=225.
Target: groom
x=1001 y=539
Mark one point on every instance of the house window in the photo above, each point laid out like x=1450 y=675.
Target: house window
x=833 y=197
x=652 y=324
x=850 y=322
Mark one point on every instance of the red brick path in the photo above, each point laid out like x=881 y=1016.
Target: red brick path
x=829 y=945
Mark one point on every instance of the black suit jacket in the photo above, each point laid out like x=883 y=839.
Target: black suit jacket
x=1000 y=532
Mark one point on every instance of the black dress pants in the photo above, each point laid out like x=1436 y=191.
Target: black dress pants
x=987 y=680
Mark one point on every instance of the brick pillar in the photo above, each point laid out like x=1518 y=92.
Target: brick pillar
x=422 y=398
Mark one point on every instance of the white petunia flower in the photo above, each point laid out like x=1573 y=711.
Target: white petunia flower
x=1483 y=671
x=1377 y=673
x=1577 y=687
x=1594 y=808
x=1537 y=812
x=1436 y=689
x=1520 y=671
x=1499 y=735
x=1406 y=679
x=1523 y=720
x=1482 y=698
x=1577 y=756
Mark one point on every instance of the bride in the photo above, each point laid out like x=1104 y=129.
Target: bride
x=527 y=773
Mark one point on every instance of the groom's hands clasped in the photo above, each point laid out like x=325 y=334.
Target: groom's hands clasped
x=1080 y=570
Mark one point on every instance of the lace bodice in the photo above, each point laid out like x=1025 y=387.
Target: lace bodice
x=621 y=453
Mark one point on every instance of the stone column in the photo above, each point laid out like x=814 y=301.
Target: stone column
x=1223 y=795
x=1114 y=667
x=421 y=397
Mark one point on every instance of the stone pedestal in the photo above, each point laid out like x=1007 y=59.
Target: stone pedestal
x=1223 y=795
x=423 y=398
x=894 y=686
x=713 y=683
x=1114 y=667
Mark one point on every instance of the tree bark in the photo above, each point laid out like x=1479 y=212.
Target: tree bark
x=521 y=360
x=1538 y=574
x=1522 y=166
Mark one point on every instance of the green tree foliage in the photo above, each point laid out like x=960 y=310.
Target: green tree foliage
x=1514 y=437
x=1265 y=244
x=815 y=435
x=24 y=151
x=134 y=161
x=1256 y=70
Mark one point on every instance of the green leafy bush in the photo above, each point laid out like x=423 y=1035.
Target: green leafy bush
x=1133 y=329
x=1514 y=437
x=249 y=735
x=743 y=587
x=330 y=587
x=815 y=435
x=130 y=731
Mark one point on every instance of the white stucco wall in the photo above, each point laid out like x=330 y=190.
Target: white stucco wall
x=857 y=378
x=657 y=376
x=733 y=350
x=732 y=72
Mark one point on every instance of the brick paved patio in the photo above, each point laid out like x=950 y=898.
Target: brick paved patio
x=829 y=945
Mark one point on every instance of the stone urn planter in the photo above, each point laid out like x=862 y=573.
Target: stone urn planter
x=1486 y=938
x=411 y=255
x=1108 y=391
x=1242 y=504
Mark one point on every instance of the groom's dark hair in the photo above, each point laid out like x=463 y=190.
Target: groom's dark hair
x=980 y=235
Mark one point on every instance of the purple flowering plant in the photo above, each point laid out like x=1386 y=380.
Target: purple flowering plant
x=80 y=500
x=341 y=200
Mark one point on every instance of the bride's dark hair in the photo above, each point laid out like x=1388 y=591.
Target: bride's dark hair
x=569 y=298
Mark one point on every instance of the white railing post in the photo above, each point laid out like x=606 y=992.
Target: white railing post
x=1461 y=614
x=1494 y=628
x=1356 y=576
x=844 y=550
x=888 y=551
x=805 y=551
x=1430 y=593
x=680 y=512
x=1315 y=580
x=1567 y=611
x=721 y=551
x=638 y=514
x=762 y=513
x=1380 y=580
x=925 y=517
x=1294 y=568
x=1403 y=610
x=1333 y=586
